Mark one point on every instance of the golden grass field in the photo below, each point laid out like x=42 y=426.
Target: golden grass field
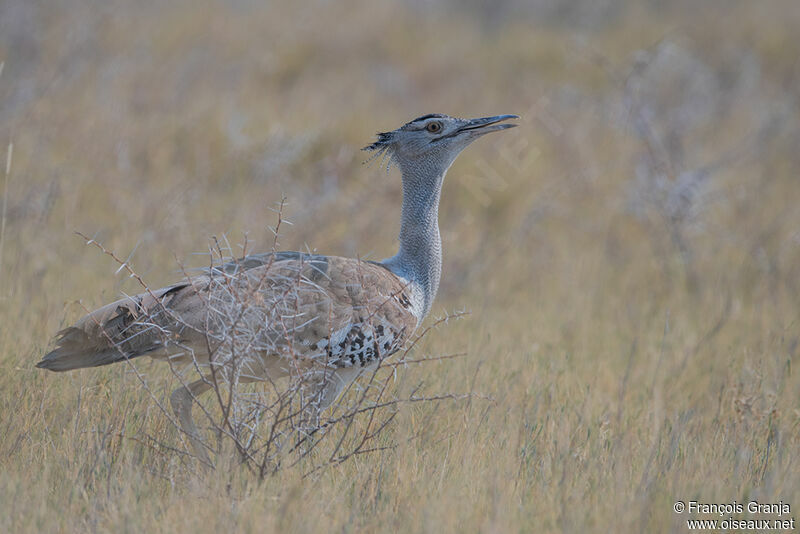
x=630 y=255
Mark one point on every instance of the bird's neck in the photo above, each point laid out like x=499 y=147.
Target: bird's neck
x=419 y=258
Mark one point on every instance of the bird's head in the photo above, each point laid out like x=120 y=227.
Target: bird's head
x=433 y=140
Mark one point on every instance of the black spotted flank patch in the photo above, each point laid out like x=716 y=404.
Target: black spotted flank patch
x=361 y=348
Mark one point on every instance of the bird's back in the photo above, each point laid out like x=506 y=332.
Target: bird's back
x=300 y=308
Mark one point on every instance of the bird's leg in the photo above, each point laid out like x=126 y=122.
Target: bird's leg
x=321 y=387
x=181 y=400
x=313 y=386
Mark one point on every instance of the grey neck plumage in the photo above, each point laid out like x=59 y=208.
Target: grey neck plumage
x=419 y=259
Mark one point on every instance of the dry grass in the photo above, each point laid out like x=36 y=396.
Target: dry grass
x=630 y=254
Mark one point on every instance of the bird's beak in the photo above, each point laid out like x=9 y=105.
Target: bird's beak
x=488 y=124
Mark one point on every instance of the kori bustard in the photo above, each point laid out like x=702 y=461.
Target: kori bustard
x=325 y=317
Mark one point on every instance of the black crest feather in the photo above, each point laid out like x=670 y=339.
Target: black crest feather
x=381 y=148
x=384 y=138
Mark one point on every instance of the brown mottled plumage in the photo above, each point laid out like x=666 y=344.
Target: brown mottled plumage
x=335 y=311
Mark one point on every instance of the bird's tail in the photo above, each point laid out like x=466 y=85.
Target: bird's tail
x=118 y=331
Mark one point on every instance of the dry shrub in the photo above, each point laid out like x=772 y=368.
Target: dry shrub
x=280 y=423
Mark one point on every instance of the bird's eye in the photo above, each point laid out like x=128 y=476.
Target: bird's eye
x=434 y=127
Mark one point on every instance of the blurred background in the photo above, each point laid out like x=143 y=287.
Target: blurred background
x=634 y=244
x=658 y=138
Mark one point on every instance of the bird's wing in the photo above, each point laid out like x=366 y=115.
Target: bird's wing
x=335 y=310
x=338 y=310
